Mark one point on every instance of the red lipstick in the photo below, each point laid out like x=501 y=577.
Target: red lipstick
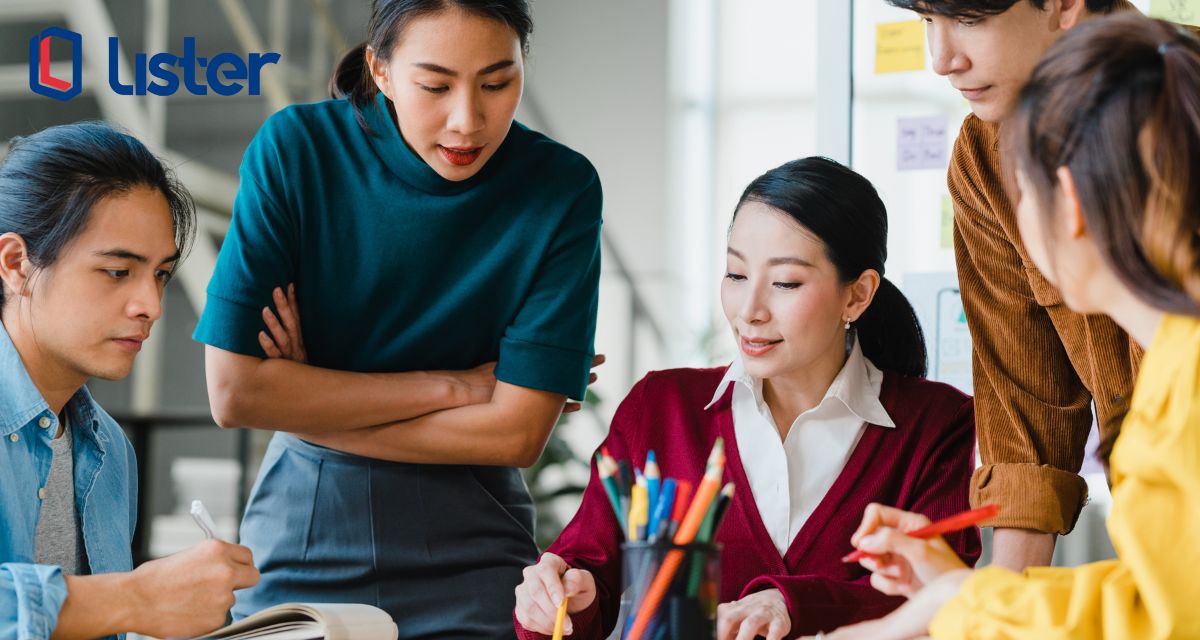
x=460 y=156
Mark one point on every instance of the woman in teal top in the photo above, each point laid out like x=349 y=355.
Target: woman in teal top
x=427 y=236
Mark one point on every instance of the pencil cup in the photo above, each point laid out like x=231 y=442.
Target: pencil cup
x=671 y=590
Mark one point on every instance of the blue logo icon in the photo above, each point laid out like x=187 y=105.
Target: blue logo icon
x=41 y=80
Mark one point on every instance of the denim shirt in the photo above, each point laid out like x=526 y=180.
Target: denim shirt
x=31 y=595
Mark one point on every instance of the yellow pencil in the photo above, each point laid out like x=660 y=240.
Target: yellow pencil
x=637 y=511
x=558 y=620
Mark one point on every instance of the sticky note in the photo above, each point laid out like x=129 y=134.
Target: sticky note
x=1181 y=11
x=921 y=143
x=900 y=46
x=948 y=223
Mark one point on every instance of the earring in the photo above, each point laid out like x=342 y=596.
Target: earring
x=847 y=323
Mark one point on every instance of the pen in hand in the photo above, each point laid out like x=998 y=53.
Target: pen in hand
x=956 y=522
x=204 y=520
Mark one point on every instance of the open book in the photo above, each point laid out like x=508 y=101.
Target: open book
x=311 y=622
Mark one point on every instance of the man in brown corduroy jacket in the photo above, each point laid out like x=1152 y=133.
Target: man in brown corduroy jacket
x=1038 y=367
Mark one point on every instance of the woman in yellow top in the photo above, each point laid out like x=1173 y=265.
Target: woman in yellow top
x=1107 y=151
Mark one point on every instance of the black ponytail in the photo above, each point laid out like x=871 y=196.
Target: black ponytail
x=352 y=79
x=843 y=209
x=890 y=333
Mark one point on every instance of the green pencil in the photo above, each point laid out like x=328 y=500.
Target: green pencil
x=712 y=519
x=605 y=468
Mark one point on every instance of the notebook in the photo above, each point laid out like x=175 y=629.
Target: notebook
x=339 y=621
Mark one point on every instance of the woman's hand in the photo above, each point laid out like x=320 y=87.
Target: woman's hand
x=285 y=339
x=901 y=565
x=759 y=614
x=572 y=407
x=543 y=589
x=926 y=571
x=475 y=386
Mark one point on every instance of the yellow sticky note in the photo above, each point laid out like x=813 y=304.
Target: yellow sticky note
x=900 y=46
x=1181 y=11
x=947 y=222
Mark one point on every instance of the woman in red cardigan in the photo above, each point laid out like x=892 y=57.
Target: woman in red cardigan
x=825 y=411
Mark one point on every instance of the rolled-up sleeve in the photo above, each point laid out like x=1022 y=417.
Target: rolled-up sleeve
x=31 y=596
x=549 y=344
x=1032 y=410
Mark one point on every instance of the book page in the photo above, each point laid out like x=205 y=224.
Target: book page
x=340 y=621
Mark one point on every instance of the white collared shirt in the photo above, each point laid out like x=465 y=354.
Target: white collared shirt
x=789 y=477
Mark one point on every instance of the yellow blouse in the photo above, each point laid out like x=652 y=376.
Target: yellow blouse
x=1153 y=589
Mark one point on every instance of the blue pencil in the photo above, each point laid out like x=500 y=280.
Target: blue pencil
x=662 y=512
x=653 y=481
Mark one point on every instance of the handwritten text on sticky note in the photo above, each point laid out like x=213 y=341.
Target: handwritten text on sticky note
x=921 y=143
x=900 y=46
x=1181 y=11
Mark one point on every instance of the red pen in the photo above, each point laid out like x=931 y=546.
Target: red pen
x=955 y=522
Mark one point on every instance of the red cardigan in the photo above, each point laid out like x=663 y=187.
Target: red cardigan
x=924 y=465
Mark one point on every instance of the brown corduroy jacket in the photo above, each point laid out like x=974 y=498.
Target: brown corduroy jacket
x=1038 y=366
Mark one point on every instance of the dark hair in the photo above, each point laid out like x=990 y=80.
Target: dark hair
x=352 y=79
x=1117 y=101
x=843 y=209
x=50 y=181
x=983 y=8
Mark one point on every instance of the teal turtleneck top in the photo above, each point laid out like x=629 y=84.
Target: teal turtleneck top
x=399 y=269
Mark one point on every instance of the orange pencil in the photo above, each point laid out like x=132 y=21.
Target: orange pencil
x=705 y=493
x=709 y=486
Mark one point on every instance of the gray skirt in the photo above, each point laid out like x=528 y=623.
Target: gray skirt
x=439 y=547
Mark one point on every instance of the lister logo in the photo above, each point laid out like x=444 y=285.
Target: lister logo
x=159 y=74
x=41 y=80
x=166 y=67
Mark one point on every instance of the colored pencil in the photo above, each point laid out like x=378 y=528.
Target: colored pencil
x=653 y=481
x=637 y=510
x=606 y=469
x=660 y=517
x=705 y=493
x=682 y=498
x=558 y=619
x=708 y=530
